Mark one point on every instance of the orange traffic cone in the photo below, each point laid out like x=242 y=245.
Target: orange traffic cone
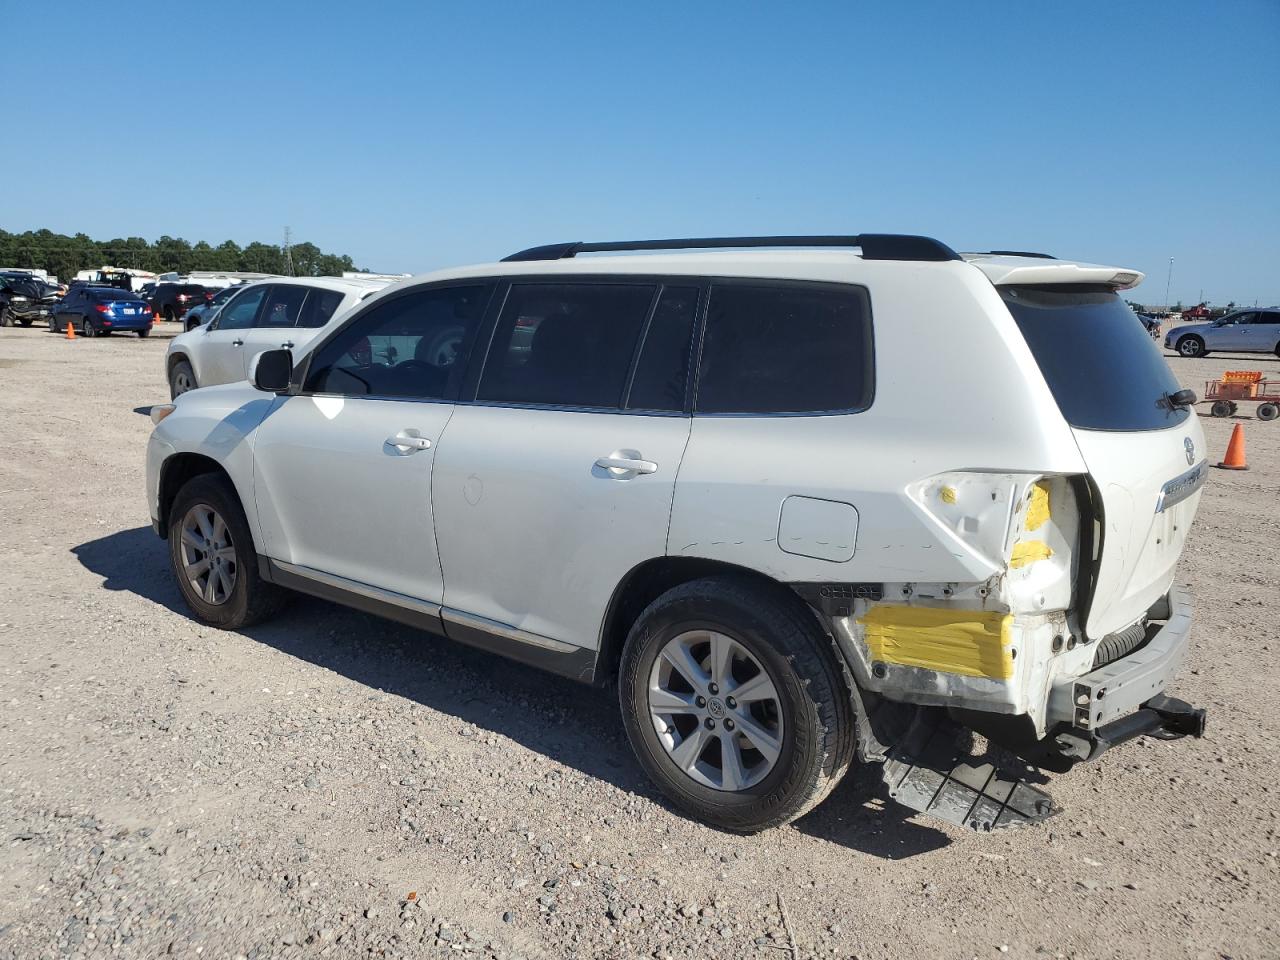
x=1235 y=450
x=71 y=330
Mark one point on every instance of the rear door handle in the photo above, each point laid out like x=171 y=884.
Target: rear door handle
x=237 y=342
x=403 y=441
x=619 y=465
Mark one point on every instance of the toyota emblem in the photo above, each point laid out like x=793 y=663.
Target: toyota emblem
x=1191 y=450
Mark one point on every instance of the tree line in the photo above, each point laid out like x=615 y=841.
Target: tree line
x=64 y=256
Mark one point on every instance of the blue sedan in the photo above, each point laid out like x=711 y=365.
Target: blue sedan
x=99 y=310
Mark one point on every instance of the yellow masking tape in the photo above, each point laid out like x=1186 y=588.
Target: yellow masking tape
x=974 y=643
x=1038 y=508
x=1029 y=551
x=947 y=494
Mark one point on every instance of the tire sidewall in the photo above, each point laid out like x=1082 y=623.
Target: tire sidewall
x=799 y=761
x=213 y=491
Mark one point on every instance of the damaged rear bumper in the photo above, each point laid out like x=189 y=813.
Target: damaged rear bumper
x=1092 y=701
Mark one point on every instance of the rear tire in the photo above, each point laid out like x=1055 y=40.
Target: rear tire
x=1268 y=411
x=6 y=320
x=1220 y=408
x=87 y=329
x=181 y=379
x=1191 y=346
x=804 y=725
x=207 y=524
x=26 y=322
x=144 y=333
x=168 y=314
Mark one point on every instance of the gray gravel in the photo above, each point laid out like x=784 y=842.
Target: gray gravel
x=331 y=784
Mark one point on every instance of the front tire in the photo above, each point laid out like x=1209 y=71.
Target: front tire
x=26 y=321
x=1191 y=346
x=747 y=762
x=181 y=379
x=213 y=559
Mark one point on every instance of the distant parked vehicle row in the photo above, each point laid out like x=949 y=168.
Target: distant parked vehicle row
x=1244 y=331
x=268 y=314
x=98 y=309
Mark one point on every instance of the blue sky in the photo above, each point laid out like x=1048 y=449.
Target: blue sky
x=415 y=135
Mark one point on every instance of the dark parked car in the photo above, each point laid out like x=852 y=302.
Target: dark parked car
x=171 y=301
x=98 y=310
x=25 y=299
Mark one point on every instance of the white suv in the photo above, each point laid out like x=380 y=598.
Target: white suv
x=286 y=312
x=797 y=503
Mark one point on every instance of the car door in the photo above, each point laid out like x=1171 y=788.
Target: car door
x=1233 y=334
x=342 y=466
x=273 y=326
x=219 y=354
x=70 y=308
x=554 y=483
x=1264 y=332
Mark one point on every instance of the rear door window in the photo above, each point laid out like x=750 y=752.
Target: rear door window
x=662 y=372
x=319 y=308
x=566 y=344
x=786 y=348
x=1103 y=369
x=283 y=306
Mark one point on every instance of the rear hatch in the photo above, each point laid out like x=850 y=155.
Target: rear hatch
x=1145 y=456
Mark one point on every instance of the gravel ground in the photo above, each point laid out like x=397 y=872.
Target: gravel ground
x=331 y=784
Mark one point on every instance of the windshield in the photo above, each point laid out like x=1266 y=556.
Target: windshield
x=1103 y=369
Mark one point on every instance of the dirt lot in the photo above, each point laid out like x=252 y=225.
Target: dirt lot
x=165 y=788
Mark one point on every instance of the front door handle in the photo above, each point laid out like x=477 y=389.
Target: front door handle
x=402 y=441
x=288 y=344
x=619 y=465
x=237 y=342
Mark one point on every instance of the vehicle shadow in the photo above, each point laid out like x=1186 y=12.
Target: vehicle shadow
x=553 y=716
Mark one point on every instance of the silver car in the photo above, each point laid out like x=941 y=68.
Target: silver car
x=1244 y=331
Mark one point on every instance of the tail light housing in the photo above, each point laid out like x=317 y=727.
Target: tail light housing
x=102 y=308
x=183 y=298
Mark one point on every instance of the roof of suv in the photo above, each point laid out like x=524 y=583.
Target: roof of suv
x=791 y=257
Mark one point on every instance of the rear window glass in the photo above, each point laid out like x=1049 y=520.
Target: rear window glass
x=786 y=348
x=1102 y=366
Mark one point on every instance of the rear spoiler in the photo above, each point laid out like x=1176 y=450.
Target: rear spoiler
x=1020 y=270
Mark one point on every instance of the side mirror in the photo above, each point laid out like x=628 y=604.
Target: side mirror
x=272 y=370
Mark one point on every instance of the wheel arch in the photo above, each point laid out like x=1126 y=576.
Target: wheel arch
x=647 y=581
x=176 y=472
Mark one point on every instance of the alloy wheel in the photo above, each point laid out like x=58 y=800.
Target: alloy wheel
x=208 y=554
x=715 y=710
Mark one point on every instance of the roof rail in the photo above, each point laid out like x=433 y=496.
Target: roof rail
x=875 y=246
x=1021 y=253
